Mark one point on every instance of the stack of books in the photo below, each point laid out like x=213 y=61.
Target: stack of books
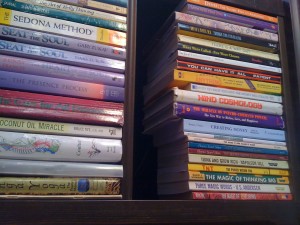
x=62 y=68
x=213 y=104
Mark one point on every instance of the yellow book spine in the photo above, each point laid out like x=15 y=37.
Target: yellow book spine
x=229 y=82
x=235 y=169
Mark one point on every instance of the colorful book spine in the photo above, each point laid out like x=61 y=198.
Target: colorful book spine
x=69 y=129
x=229 y=38
x=234 y=138
x=59 y=169
x=61 y=56
x=230 y=18
x=122 y=3
x=235 y=169
x=61 y=116
x=238 y=187
x=76 y=9
x=227 y=102
x=232 y=130
x=237 y=148
x=55 y=70
x=204 y=22
x=198 y=112
x=184 y=55
x=59 y=103
x=97 y=5
x=236 y=154
x=240 y=196
x=61 y=27
x=49 y=12
x=60 y=42
x=226 y=54
x=233 y=161
x=55 y=86
x=227 y=47
x=59 y=148
x=65 y=186
x=234 y=10
x=238 y=178
x=233 y=93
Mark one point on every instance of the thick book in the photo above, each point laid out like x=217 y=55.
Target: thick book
x=62 y=186
x=55 y=86
x=210 y=13
x=59 y=169
x=61 y=56
x=62 y=27
x=59 y=14
x=62 y=71
x=68 y=129
x=61 y=42
x=30 y=146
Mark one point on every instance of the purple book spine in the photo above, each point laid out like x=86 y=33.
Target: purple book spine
x=231 y=18
x=48 y=69
x=25 y=82
x=212 y=114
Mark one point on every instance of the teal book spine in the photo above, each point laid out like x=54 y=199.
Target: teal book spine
x=122 y=3
x=58 y=14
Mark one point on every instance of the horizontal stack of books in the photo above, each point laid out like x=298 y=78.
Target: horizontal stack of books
x=62 y=68
x=213 y=105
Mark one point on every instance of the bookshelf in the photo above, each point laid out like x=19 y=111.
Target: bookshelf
x=139 y=158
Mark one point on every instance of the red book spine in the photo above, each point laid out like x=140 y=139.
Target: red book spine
x=239 y=196
x=236 y=154
x=60 y=116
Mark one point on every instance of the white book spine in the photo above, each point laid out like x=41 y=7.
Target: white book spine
x=227 y=102
x=238 y=187
x=231 y=62
x=236 y=161
x=234 y=93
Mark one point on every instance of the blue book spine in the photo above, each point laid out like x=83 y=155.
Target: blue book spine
x=236 y=148
x=23 y=7
x=233 y=130
x=122 y=3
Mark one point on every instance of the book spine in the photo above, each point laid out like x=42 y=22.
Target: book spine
x=234 y=138
x=61 y=116
x=59 y=103
x=66 y=186
x=59 y=148
x=55 y=70
x=61 y=56
x=235 y=169
x=27 y=82
x=235 y=143
x=76 y=10
x=234 y=161
x=60 y=42
x=233 y=130
x=70 y=169
x=236 y=148
x=239 y=178
x=238 y=187
x=234 y=39
x=236 y=154
x=61 y=27
x=211 y=59
x=234 y=93
x=49 y=12
x=201 y=21
x=100 y=5
x=227 y=47
x=228 y=116
x=231 y=18
x=45 y=127
x=121 y=3
x=240 y=196
x=226 y=54
x=234 y=10
x=227 y=102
